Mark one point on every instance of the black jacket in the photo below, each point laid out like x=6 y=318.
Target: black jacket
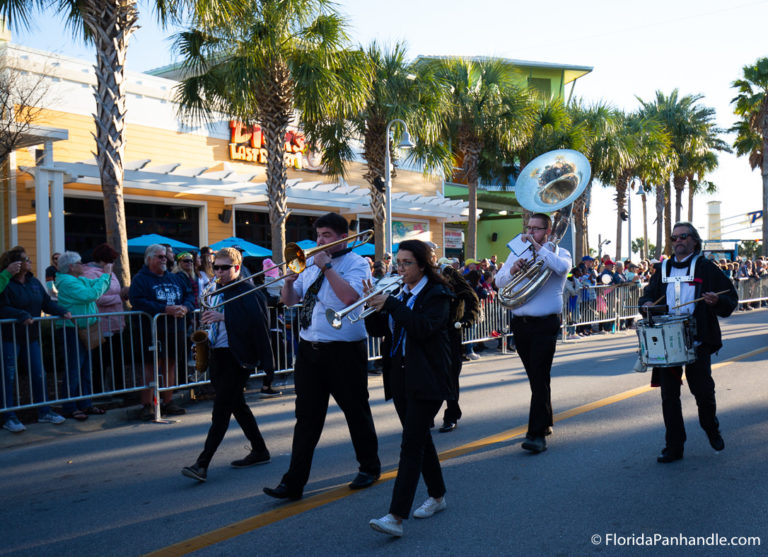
x=427 y=347
x=247 y=324
x=22 y=301
x=708 y=278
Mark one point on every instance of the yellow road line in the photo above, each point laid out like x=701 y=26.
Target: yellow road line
x=339 y=492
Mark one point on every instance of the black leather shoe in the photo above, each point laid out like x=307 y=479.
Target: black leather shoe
x=282 y=491
x=716 y=440
x=447 y=426
x=196 y=472
x=668 y=455
x=535 y=444
x=363 y=480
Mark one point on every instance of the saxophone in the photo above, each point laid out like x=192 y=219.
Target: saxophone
x=201 y=337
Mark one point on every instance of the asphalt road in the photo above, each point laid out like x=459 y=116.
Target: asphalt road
x=113 y=487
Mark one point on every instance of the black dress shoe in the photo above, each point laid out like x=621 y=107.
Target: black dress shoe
x=535 y=444
x=716 y=440
x=282 y=491
x=447 y=426
x=196 y=472
x=363 y=480
x=667 y=455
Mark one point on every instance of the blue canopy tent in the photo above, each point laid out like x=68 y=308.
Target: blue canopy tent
x=306 y=244
x=249 y=248
x=141 y=243
x=365 y=250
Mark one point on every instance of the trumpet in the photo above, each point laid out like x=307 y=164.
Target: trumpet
x=295 y=259
x=385 y=285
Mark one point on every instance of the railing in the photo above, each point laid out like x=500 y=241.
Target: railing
x=47 y=363
x=752 y=290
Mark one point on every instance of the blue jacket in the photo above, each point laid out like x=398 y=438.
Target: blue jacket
x=152 y=293
x=22 y=301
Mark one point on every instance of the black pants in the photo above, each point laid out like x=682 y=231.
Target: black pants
x=322 y=370
x=418 y=455
x=536 y=339
x=702 y=386
x=228 y=379
x=452 y=409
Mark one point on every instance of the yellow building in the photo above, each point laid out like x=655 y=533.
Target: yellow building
x=182 y=180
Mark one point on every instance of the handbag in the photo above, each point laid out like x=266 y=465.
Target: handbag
x=91 y=335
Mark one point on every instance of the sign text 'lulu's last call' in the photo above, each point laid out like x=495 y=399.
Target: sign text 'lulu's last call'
x=247 y=144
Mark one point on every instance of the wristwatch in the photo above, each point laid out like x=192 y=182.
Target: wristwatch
x=327 y=266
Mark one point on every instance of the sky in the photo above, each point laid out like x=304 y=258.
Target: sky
x=696 y=46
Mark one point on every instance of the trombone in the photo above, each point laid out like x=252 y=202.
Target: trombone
x=294 y=258
x=385 y=285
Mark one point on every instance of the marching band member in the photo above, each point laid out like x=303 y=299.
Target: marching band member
x=681 y=279
x=417 y=376
x=329 y=361
x=536 y=325
x=239 y=338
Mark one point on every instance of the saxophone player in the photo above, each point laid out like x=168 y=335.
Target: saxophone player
x=536 y=324
x=239 y=339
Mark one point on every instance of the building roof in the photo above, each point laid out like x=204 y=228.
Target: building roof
x=239 y=189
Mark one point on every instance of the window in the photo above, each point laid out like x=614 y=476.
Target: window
x=542 y=86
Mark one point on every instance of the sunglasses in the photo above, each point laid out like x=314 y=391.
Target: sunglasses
x=185 y=260
x=683 y=236
x=222 y=267
x=162 y=256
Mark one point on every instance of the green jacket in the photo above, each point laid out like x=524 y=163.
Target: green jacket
x=5 y=278
x=79 y=294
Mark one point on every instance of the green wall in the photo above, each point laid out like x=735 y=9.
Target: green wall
x=505 y=228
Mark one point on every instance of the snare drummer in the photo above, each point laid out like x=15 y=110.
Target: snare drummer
x=681 y=279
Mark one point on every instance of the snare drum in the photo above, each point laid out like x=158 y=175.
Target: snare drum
x=667 y=341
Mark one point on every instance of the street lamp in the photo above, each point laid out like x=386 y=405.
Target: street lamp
x=600 y=244
x=405 y=143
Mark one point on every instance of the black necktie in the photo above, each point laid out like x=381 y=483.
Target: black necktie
x=398 y=333
x=308 y=304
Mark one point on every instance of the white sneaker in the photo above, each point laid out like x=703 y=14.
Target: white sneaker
x=430 y=507
x=51 y=418
x=388 y=525
x=14 y=425
x=473 y=356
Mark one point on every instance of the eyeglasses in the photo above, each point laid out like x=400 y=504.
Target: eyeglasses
x=185 y=260
x=404 y=264
x=532 y=228
x=161 y=256
x=222 y=267
x=676 y=237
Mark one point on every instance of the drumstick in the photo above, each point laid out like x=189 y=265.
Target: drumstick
x=699 y=299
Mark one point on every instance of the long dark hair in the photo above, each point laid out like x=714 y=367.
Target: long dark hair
x=423 y=256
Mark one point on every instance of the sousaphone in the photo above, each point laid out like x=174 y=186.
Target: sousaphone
x=550 y=182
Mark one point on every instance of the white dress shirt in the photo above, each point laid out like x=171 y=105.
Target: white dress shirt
x=549 y=298
x=353 y=269
x=687 y=289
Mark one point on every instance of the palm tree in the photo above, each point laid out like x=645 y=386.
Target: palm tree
x=691 y=129
x=279 y=59
x=598 y=126
x=394 y=93
x=108 y=25
x=484 y=118
x=751 y=105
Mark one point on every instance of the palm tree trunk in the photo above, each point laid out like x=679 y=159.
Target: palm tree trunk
x=645 y=228
x=274 y=135
x=112 y=22
x=471 y=157
x=679 y=183
x=667 y=220
x=691 y=192
x=659 y=220
x=621 y=201
x=374 y=153
x=578 y=228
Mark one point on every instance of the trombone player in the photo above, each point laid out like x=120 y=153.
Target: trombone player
x=536 y=324
x=239 y=342
x=329 y=361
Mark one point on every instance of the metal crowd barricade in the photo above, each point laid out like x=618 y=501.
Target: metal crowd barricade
x=47 y=362
x=752 y=290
